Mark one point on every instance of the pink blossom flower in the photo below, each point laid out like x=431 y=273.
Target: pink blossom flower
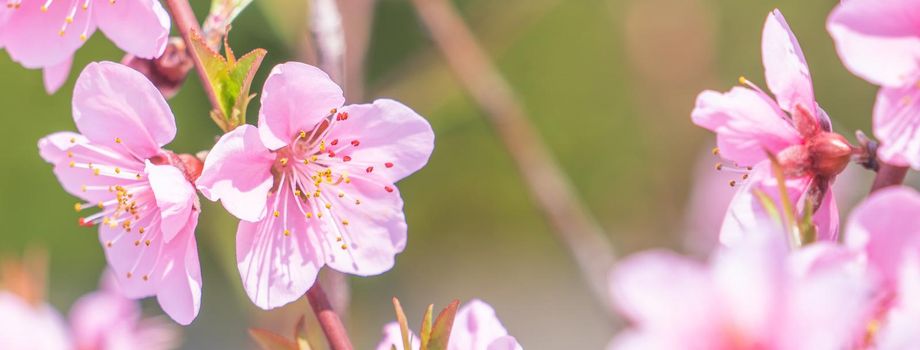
x=313 y=184
x=476 y=327
x=105 y=320
x=885 y=229
x=749 y=124
x=46 y=33
x=31 y=326
x=754 y=295
x=880 y=42
x=147 y=206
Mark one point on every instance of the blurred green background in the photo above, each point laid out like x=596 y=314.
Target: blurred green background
x=608 y=83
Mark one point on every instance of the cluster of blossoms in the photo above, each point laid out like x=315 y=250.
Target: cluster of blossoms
x=781 y=278
x=312 y=184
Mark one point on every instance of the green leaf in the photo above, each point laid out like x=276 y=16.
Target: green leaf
x=231 y=79
x=806 y=224
x=440 y=332
x=425 y=334
x=300 y=335
x=789 y=221
x=403 y=323
x=227 y=10
x=271 y=341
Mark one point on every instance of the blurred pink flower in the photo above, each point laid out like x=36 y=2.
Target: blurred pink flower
x=105 y=320
x=476 y=327
x=28 y=326
x=754 y=295
x=313 y=184
x=148 y=206
x=46 y=33
x=749 y=124
x=880 y=41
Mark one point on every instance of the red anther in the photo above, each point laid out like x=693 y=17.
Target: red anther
x=370 y=169
x=346 y=158
x=355 y=143
x=344 y=115
x=331 y=154
x=84 y=223
x=334 y=142
x=388 y=188
x=388 y=164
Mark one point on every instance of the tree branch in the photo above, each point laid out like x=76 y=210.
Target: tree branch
x=329 y=321
x=188 y=26
x=546 y=181
x=888 y=175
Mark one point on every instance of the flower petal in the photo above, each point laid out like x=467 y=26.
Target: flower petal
x=56 y=75
x=295 y=98
x=175 y=197
x=113 y=103
x=179 y=287
x=746 y=123
x=33 y=37
x=389 y=135
x=87 y=171
x=505 y=343
x=26 y=326
x=879 y=40
x=95 y=315
x=785 y=68
x=53 y=148
x=476 y=326
x=664 y=292
x=885 y=226
x=237 y=172
x=896 y=121
x=827 y=218
x=375 y=231
x=392 y=338
x=278 y=257
x=140 y=27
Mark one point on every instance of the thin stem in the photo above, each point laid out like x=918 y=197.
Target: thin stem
x=888 y=175
x=546 y=181
x=329 y=321
x=188 y=26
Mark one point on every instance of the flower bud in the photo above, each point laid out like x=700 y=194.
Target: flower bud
x=830 y=153
x=168 y=72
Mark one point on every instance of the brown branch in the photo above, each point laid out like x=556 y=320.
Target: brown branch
x=188 y=26
x=548 y=185
x=328 y=320
x=888 y=175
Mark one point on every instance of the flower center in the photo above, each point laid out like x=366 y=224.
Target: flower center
x=313 y=169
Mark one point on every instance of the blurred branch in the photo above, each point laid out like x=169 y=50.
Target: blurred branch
x=328 y=37
x=188 y=26
x=329 y=321
x=547 y=183
x=888 y=175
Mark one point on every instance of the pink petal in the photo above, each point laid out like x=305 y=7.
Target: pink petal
x=175 y=197
x=179 y=289
x=295 y=98
x=93 y=317
x=827 y=218
x=33 y=38
x=140 y=27
x=376 y=229
x=885 y=226
x=900 y=329
x=746 y=123
x=277 y=267
x=475 y=327
x=5 y=14
x=26 y=326
x=750 y=279
x=785 y=68
x=663 y=292
x=112 y=102
x=81 y=181
x=55 y=76
x=237 y=172
x=390 y=136
x=53 y=148
x=896 y=121
x=505 y=343
x=879 y=40
x=746 y=214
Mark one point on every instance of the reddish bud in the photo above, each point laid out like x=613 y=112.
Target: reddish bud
x=830 y=153
x=192 y=166
x=168 y=72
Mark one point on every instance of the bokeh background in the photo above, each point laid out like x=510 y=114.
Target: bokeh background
x=609 y=84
